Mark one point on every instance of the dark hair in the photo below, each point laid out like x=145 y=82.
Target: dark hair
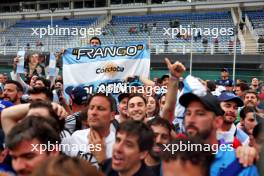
x=164 y=94
x=200 y=158
x=141 y=131
x=211 y=85
x=109 y=98
x=157 y=109
x=48 y=106
x=251 y=91
x=66 y=165
x=158 y=121
x=34 y=127
x=19 y=87
x=39 y=90
x=243 y=86
x=46 y=82
x=60 y=81
x=137 y=95
x=246 y=110
x=95 y=38
x=158 y=81
x=258 y=132
x=164 y=77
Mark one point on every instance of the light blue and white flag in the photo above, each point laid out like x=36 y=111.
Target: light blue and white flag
x=107 y=66
x=20 y=64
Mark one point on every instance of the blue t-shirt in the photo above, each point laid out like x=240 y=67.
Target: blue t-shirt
x=227 y=82
x=224 y=158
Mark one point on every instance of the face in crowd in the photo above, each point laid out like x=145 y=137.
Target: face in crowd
x=162 y=101
x=33 y=80
x=133 y=141
x=203 y=116
x=255 y=82
x=248 y=119
x=58 y=85
x=99 y=113
x=162 y=135
x=238 y=91
x=95 y=42
x=230 y=108
x=12 y=93
x=126 y=153
x=224 y=73
x=122 y=107
x=151 y=106
x=198 y=120
x=25 y=159
x=24 y=142
x=136 y=108
x=250 y=99
x=2 y=78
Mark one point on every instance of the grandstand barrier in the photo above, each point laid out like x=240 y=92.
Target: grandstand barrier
x=250 y=27
x=155 y=48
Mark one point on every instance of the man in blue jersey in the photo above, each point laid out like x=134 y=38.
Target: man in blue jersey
x=203 y=117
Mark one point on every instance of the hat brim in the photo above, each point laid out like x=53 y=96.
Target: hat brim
x=122 y=96
x=237 y=100
x=187 y=98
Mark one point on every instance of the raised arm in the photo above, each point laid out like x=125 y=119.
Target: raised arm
x=10 y=116
x=176 y=71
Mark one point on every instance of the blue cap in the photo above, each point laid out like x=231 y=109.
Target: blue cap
x=224 y=69
x=5 y=104
x=209 y=101
x=135 y=83
x=229 y=96
x=79 y=95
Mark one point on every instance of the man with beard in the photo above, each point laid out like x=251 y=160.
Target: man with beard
x=162 y=133
x=203 y=117
x=229 y=103
x=137 y=107
x=251 y=99
x=13 y=92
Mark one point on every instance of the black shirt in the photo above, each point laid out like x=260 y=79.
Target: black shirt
x=108 y=170
x=155 y=169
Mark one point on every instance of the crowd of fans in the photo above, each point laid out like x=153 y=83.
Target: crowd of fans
x=45 y=131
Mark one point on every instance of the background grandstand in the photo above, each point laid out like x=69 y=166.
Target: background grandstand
x=127 y=21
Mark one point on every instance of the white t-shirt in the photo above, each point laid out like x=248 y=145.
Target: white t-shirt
x=78 y=145
x=228 y=136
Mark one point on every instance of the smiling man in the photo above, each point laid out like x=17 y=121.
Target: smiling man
x=229 y=103
x=137 y=107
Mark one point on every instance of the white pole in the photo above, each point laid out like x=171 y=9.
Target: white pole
x=191 y=55
x=234 y=60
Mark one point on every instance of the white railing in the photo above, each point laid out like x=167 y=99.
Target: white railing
x=233 y=14
x=239 y=14
x=155 y=48
x=242 y=40
x=250 y=27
